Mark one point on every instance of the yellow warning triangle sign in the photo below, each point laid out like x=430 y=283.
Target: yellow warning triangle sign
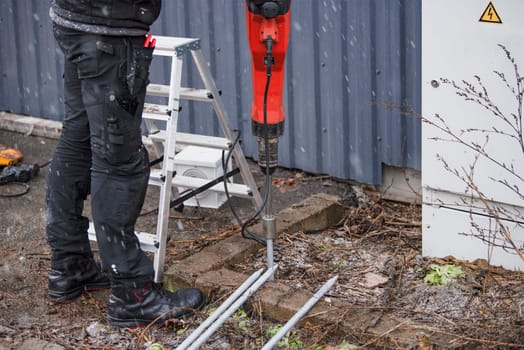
x=490 y=15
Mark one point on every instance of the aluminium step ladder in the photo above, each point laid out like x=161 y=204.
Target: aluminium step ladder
x=166 y=140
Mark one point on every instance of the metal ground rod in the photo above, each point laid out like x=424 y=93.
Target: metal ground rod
x=269 y=224
x=270 y=257
x=303 y=310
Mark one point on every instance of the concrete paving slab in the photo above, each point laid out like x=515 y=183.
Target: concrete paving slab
x=230 y=280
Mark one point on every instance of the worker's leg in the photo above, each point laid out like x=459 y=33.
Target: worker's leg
x=73 y=269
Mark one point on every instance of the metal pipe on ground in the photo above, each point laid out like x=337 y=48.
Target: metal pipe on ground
x=303 y=310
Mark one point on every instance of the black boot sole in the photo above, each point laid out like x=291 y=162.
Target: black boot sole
x=140 y=323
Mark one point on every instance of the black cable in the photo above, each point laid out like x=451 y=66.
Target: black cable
x=267 y=178
x=25 y=189
x=156 y=161
x=45 y=164
x=244 y=231
x=152 y=211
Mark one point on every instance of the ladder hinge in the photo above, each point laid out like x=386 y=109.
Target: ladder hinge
x=181 y=50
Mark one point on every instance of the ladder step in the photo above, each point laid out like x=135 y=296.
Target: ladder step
x=186 y=93
x=187 y=139
x=167 y=46
x=234 y=189
x=155 y=112
x=148 y=241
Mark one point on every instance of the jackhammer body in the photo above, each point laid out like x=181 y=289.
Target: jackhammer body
x=268 y=23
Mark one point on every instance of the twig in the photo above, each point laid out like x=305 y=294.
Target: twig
x=503 y=228
x=381 y=335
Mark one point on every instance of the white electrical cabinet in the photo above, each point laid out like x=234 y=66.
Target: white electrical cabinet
x=201 y=163
x=472 y=152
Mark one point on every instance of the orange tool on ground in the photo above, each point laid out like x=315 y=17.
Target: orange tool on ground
x=9 y=156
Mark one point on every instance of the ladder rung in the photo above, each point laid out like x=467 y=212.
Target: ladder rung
x=156 y=112
x=193 y=139
x=234 y=189
x=154 y=108
x=186 y=93
x=155 y=116
x=158 y=90
x=148 y=241
x=202 y=95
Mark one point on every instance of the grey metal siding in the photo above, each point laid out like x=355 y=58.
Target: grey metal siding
x=345 y=56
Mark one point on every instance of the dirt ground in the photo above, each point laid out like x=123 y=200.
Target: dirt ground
x=375 y=251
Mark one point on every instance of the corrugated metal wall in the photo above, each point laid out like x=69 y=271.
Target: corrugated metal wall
x=343 y=55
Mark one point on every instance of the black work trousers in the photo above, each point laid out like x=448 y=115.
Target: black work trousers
x=100 y=152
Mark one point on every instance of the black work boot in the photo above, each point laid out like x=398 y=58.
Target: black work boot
x=137 y=307
x=83 y=275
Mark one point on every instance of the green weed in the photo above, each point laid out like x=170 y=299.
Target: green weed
x=441 y=275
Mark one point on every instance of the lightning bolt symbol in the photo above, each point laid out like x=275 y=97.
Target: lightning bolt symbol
x=490 y=14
